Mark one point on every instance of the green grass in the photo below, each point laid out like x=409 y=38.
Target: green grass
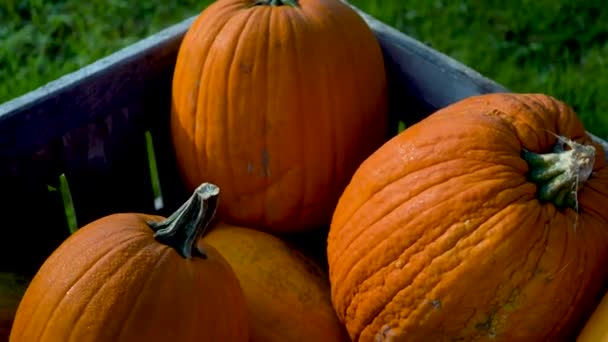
x=555 y=47
x=558 y=47
x=68 y=204
x=42 y=40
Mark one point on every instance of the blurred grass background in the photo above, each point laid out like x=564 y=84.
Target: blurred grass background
x=558 y=47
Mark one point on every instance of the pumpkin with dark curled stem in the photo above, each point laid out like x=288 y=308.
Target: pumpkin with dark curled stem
x=134 y=277
x=277 y=102
x=485 y=221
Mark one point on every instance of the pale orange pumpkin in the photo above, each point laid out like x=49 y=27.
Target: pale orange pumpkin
x=277 y=102
x=596 y=328
x=287 y=293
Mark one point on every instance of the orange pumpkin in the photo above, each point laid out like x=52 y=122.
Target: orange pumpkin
x=277 y=102
x=486 y=221
x=287 y=293
x=117 y=280
x=596 y=327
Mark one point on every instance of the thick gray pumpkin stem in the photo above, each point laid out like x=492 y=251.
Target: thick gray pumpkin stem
x=560 y=174
x=185 y=226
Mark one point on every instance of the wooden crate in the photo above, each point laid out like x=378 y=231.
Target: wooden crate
x=91 y=127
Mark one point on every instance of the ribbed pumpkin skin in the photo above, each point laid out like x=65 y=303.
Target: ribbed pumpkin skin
x=278 y=105
x=85 y=291
x=288 y=295
x=441 y=237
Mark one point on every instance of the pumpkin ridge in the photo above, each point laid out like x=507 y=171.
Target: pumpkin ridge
x=402 y=288
x=354 y=45
x=595 y=185
x=230 y=112
x=542 y=103
x=528 y=279
x=334 y=130
x=219 y=9
x=205 y=74
x=333 y=102
x=126 y=321
x=533 y=105
x=396 y=179
x=530 y=106
x=465 y=174
x=78 y=279
x=573 y=299
x=92 y=245
x=305 y=198
x=267 y=106
x=425 y=246
x=298 y=16
x=521 y=285
x=390 y=181
x=96 y=293
x=562 y=112
x=341 y=34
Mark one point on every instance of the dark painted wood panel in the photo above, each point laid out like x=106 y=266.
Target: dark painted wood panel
x=89 y=125
x=33 y=219
x=76 y=99
x=107 y=167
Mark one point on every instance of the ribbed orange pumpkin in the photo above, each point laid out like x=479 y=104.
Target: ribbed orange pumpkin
x=287 y=293
x=482 y=222
x=277 y=102
x=117 y=280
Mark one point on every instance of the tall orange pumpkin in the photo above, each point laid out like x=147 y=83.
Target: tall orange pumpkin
x=277 y=102
x=486 y=221
x=134 y=277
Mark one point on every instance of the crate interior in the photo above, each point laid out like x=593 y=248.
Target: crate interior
x=103 y=133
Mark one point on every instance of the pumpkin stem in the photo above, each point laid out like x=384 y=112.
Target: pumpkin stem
x=561 y=173
x=185 y=226
x=292 y=3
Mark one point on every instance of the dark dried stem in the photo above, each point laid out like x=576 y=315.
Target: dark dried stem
x=185 y=226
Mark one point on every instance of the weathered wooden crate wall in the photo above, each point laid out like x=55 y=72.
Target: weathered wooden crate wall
x=90 y=126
